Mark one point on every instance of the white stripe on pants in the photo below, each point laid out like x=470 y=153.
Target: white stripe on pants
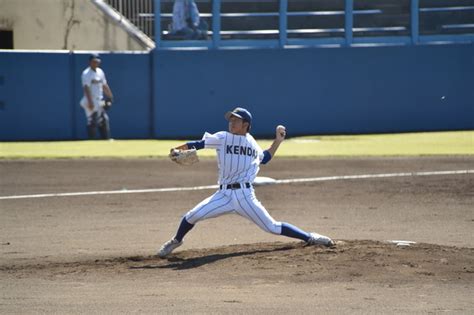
x=240 y=201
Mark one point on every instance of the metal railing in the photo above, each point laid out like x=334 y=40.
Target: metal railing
x=287 y=25
x=140 y=12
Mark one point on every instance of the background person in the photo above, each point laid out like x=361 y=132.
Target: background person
x=186 y=21
x=94 y=85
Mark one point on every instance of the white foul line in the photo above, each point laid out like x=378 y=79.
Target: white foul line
x=320 y=179
x=280 y=181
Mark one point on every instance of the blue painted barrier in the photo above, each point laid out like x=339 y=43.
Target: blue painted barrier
x=181 y=94
x=36 y=94
x=317 y=91
x=41 y=93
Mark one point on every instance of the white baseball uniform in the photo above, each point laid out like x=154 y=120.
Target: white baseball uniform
x=95 y=80
x=239 y=159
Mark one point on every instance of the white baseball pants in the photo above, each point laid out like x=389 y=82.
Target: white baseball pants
x=241 y=201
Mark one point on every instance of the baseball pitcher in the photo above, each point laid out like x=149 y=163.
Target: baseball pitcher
x=239 y=158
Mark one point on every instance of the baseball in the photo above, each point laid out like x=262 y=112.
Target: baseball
x=281 y=129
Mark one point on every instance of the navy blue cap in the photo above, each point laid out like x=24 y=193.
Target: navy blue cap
x=94 y=56
x=240 y=112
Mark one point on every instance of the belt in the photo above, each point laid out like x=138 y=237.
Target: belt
x=235 y=186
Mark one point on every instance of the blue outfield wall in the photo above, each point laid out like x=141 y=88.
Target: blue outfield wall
x=181 y=94
x=40 y=93
x=317 y=91
x=35 y=93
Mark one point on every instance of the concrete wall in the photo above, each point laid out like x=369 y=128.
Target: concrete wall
x=62 y=24
x=181 y=94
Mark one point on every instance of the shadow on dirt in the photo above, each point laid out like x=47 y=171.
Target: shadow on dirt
x=178 y=263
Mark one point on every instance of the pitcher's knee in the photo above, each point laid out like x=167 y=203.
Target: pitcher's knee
x=192 y=217
x=274 y=228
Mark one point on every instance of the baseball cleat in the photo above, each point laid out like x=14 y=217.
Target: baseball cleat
x=318 y=239
x=168 y=247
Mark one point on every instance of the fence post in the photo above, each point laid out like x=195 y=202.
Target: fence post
x=216 y=23
x=74 y=98
x=349 y=21
x=157 y=26
x=283 y=22
x=415 y=21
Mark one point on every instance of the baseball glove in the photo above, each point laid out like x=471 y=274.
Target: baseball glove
x=184 y=157
x=106 y=103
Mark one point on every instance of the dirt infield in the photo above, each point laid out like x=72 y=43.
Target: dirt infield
x=94 y=254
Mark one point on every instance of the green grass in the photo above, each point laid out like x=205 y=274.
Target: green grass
x=408 y=144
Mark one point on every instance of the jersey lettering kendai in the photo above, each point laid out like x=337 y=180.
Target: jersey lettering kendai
x=238 y=157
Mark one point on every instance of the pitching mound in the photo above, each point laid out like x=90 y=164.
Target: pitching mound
x=368 y=261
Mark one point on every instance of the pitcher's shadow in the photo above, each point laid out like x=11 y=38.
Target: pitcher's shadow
x=177 y=263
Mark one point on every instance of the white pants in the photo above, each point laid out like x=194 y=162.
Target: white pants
x=85 y=105
x=241 y=201
x=97 y=117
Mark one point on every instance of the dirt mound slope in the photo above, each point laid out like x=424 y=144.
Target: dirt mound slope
x=365 y=260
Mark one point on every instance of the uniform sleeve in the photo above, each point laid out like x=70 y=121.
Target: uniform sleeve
x=198 y=145
x=266 y=157
x=103 y=77
x=86 y=79
x=260 y=152
x=214 y=141
x=261 y=155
